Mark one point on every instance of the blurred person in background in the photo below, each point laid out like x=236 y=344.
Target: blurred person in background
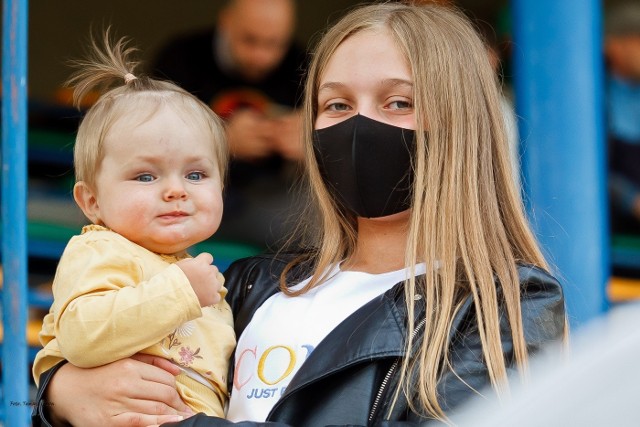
x=248 y=70
x=622 y=56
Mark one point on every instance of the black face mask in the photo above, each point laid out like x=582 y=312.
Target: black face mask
x=366 y=165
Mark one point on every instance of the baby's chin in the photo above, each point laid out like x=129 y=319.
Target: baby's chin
x=175 y=241
x=175 y=247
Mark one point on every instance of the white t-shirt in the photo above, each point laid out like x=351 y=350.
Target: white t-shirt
x=285 y=330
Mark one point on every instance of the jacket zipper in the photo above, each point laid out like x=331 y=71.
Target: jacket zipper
x=390 y=372
x=383 y=386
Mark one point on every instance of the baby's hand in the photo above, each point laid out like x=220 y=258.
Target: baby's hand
x=204 y=277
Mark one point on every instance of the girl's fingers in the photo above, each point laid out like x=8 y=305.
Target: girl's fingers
x=158 y=362
x=149 y=389
x=157 y=399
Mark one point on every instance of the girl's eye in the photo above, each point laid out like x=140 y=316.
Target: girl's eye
x=195 y=176
x=145 y=177
x=400 y=105
x=338 y=106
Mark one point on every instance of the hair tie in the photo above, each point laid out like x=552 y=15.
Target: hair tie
x=128 y=78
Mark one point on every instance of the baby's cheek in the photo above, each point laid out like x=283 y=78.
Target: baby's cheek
x=213 y=207
x=130 y=219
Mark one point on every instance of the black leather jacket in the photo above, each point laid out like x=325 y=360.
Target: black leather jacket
x=350 y=377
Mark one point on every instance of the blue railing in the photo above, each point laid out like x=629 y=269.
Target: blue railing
x=15 y=382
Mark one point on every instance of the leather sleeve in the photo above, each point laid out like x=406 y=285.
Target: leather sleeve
x=544 y=322
x=40 y=412
x=543 y=308
x=202 y=420
x=243 y=277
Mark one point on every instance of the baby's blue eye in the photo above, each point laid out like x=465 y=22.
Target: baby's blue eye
x=145 y=177
x=195 y=176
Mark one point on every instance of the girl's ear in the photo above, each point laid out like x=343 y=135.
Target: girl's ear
x=86 y=199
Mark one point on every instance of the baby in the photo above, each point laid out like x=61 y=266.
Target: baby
x=150 y=160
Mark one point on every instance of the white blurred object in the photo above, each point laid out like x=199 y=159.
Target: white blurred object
x=597 y=383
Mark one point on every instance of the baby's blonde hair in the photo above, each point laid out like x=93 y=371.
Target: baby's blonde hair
x=109 y=69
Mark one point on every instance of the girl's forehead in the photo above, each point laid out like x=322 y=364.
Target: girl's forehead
x=368 y=54
x=367 y=37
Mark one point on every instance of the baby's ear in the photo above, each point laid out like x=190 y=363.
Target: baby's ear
x=87 y=201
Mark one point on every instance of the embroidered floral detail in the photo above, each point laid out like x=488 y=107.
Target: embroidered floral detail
x=187 y=355
x=186 y=329
x=172 y=341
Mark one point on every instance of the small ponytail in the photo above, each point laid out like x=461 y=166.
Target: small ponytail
x=108 y=64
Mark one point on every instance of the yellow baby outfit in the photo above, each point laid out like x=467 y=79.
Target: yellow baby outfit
x=114 y=298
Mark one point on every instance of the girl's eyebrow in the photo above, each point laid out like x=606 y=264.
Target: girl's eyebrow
x=397 y=82
x=384 y=82
x=331 y=85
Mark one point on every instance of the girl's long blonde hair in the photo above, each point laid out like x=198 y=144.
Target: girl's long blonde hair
x=467 y=220
x=109 y=70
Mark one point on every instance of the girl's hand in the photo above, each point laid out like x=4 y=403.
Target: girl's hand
x=138 y=391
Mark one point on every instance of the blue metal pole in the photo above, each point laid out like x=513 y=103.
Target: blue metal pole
x=558 y=78
x=14 y=213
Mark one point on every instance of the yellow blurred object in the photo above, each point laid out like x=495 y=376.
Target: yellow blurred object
x=33 y=329
x=64 y=96
x=622 y=289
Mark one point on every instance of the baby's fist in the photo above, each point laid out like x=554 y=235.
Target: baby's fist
x=205 y=279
